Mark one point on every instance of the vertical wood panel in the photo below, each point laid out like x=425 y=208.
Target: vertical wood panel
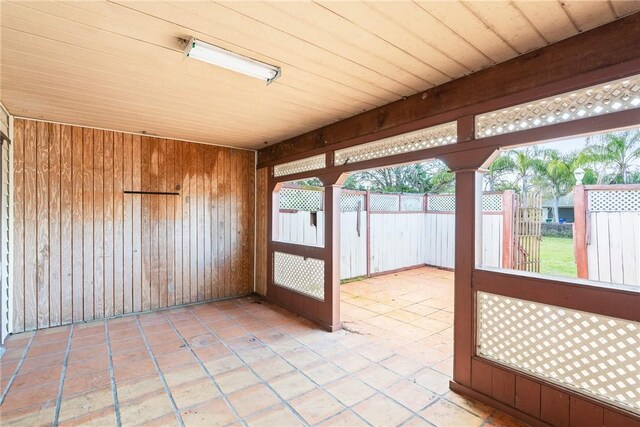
x=85 y=249
x=66 y=223
x=87 y=215
x=262 y=176
x=18 y=225
x=42 y=214
x=119 y=259
x=78 y=227
x=55 y=294
x=109 y=288
x=98 y=224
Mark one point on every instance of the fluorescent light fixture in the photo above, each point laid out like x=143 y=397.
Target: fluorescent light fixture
x=215 y=55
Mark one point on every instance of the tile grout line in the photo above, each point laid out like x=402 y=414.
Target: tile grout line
x=62 y=377
x=286 y=403
x=223 y=395
x=161 y=375
x=349 y=374
x=15 y=373
x=114 y=389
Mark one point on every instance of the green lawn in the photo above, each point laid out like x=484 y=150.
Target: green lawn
x=557 y=258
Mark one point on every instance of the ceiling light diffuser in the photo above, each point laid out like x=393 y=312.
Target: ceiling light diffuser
x=224 y=58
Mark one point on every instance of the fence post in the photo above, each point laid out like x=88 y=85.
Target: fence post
x=507 y=229
x=580 y=231
x=367 y=207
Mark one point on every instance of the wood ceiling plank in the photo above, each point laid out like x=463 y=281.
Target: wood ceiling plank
x=300 y=60
x=508 y=23
x=625 y=7
x=394 y=25
x=321 y=27
x=551 y=20
x=455 y=16
x=588 y=14
x=159 y=58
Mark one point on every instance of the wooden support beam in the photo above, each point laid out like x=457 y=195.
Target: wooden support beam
x=602 y=54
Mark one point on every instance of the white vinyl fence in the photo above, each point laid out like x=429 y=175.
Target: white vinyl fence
x=612 y=222
x=403 y=230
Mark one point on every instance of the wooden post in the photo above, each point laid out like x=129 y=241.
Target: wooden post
x=468 y=235
x=507 y=229
x=331 y=306
x=580 y=231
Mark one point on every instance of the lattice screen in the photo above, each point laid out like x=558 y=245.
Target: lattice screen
x=351 y=202
x=597 y=100
x=447 y=202
x=301 y=200
x=441 y=203
x=303 y=275
x=595 y=354
x=492 y=202
x=412 y=202
x=614 y=200
x=303 y=165
x=384 y=202
x=419 y=140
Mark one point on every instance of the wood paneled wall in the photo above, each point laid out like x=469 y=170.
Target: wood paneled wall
x=86 y=248
x=262 y=194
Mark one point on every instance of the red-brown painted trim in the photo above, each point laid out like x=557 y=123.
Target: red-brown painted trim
x=580 y=231
x=606 y=53
x=507 y=228
x=614 y=302
x=316 y=252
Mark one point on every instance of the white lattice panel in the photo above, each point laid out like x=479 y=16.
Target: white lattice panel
x=303 y=165
x=303 y=275
x=419 y=140
x=597 y=100
x=441 y=203
x=594 y=354
x=384 y=202
x=411 y=202
x=492 y=203
x=301 y=200
x=351 y=202
x=614 y=200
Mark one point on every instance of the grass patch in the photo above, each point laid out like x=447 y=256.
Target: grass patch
x=557 y=258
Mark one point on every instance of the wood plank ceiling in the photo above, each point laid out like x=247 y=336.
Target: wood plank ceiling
x=119 y=64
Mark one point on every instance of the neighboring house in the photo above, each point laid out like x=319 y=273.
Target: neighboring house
x=565 y=208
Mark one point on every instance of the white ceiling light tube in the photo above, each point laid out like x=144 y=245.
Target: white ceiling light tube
x=215 y=55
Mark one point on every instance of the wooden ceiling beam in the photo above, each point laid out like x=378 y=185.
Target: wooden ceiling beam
x=564 y=66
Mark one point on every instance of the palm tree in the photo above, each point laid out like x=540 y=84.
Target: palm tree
x=501 y=166
x=429 y=177
x=526 y=162
x=618 y=152
x=555 y=174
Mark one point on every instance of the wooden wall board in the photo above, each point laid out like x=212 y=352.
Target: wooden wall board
x=86 y=249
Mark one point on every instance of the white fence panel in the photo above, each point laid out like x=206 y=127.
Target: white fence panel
x=353 y=247
x=397 y=241
x=296 y=227
x=440 y=238
x=492 y=234
x=613 y=252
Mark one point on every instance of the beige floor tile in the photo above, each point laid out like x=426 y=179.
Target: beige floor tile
x=315 y=406
x=379 y=410
x=253 y=399
x=210 y=413
x=350 y=391
x=291 y=385
x=410 y=395
x=344 y=419
x=351 y=362
x=432 y=380
x=236 y=379
x=471 y=405
x=402 y=365
x=279 y=416
x=377 y=376
x=444 y=413
x=324 y=373
x=194 y=392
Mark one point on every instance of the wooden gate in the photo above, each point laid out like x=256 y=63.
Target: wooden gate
x=526 y=236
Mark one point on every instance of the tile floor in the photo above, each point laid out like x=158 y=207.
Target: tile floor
x=245 y=362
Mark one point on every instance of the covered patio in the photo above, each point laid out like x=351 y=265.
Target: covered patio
x=246 y=361
x=146 y=273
